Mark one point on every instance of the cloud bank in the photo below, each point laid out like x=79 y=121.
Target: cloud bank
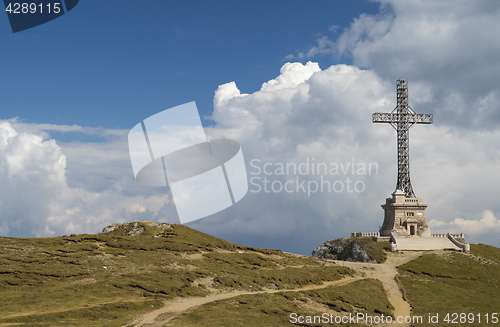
x=324 y=116
x=37 y=199
x=311 y=117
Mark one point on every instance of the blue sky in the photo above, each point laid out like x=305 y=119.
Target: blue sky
x=292 y=81
x=110 y=63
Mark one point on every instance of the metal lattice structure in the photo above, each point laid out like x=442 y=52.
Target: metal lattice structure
x=402 y=118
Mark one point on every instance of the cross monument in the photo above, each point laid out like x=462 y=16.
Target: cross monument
x=402 y=118
x=404 y=212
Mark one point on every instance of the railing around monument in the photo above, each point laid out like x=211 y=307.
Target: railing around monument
x=365 y=234
x=454 y=235
x=464 y=246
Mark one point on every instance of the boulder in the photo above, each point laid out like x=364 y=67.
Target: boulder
x=346 y=249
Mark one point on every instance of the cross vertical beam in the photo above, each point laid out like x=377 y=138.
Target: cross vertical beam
x=403 y=131
x=402 y=118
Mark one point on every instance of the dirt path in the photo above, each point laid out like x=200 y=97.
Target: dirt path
x=385 y=272
x=172 y=309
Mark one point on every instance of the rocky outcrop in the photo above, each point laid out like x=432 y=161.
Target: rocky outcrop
x=136 y=228
x=346 y=249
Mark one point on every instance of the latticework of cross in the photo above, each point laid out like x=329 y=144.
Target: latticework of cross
x=402 y=118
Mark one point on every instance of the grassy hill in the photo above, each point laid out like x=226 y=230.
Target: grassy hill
x=109 y=279
x=106 y=279
x=439 y=283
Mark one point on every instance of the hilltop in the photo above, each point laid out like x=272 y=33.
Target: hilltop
x=109 y=278
x=148 y=274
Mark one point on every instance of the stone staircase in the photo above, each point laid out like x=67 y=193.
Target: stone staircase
x=424 y=243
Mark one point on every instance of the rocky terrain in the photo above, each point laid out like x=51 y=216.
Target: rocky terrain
x=361 y=249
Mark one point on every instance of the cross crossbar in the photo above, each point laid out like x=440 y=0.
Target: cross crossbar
x=383 y=117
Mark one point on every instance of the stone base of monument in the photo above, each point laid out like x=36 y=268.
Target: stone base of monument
x=404 y=215
x=406 y=228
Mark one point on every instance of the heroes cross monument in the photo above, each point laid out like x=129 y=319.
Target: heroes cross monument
x=404 y=212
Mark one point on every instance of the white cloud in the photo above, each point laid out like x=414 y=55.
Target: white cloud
x=483 y=230
x=326 y=116
x=32 y=178
x=422 y=37
x=449 y=53
x=44 y=130
x=447 y=50
x=488 y=223
x=449 y=46
x=36 y=198
x=303 y=115
x=307 y=114
x=291 y=75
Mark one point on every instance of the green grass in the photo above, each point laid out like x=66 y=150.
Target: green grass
x=107 y=279
x=453 y=282
x=365 y=296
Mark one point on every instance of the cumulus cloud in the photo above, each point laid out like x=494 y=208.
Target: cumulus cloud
x=306 y=114
x=421 y=36
x=36 y=198
x=482 y=230
x=32 y=174
x=305 y=117
x=324 y=116
x=448 y=52
x=450 y=47
x=488 y=223
x=291 y=75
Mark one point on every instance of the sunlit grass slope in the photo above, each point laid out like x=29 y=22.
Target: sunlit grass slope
x=281 y=309
x=453 y=282
x=107 y=279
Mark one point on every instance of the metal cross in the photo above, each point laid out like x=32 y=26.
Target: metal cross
x=402 y=118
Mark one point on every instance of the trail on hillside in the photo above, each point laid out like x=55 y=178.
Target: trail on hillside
x=173 y=308
x=385 y=272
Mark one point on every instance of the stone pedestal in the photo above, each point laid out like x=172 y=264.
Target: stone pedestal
x=405 y=216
